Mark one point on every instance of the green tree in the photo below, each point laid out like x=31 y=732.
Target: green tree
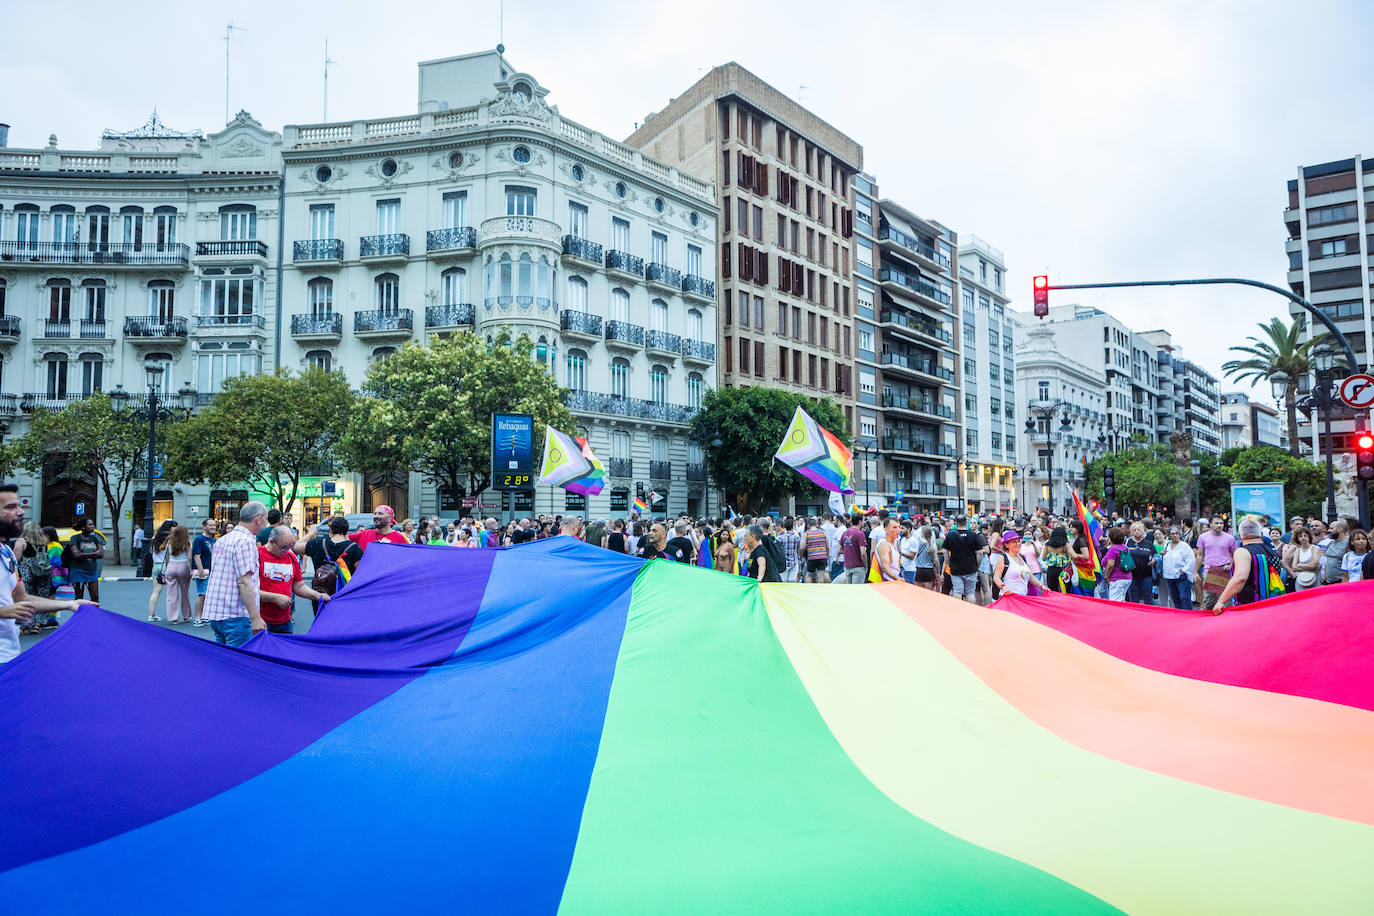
x=1299 y=477
x=93 y=439
x=267 y=430
x=429 y=408
x=1146 y=475
x=1280 y=349
x=751 y=423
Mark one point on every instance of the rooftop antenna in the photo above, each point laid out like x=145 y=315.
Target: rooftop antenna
x=229 y=31
x=501 y=29
x=801 y=88
x=327 y=62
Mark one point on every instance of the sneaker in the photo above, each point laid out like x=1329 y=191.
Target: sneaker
x=153 y=618
x=198 y=622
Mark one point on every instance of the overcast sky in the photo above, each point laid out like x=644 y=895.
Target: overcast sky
x=1092 y=141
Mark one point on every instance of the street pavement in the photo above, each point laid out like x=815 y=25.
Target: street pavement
x=123 y=594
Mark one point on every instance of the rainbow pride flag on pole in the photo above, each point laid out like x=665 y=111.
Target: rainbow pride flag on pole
x=655 y=737
x=817 y=454
x=640 y=505
x=1093 y=532
x=569 y=463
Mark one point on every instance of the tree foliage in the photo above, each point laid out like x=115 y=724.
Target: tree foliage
x=751 y=422
x=91 y=438
x=267 y=430
x=429 y=408
x=1280 y=349
x=1304 y=483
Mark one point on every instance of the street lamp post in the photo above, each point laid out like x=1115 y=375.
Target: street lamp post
x=152 y=410
x=1196 y=467
x=1048 y=412
x=1321 y=398
x=867 y=450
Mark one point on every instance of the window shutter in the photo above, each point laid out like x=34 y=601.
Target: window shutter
x=762 y=272
x=758 y=358
x=784 y=275
x=746 y=262
x=725 y=260
x=798 y=280
x=763 y=180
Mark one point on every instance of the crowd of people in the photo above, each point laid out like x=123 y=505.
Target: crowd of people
x=245 y=577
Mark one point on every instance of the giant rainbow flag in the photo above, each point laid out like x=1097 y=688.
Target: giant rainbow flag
x=555 y=728
x=817 y=454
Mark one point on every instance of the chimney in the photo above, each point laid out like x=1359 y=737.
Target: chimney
x=4 y=135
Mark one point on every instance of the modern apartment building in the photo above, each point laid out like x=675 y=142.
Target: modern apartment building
x=987 y=342
x=485 y=210
x=787 y=260
x=488 y=210
x=1053 y=385
x=1245 y=423
x=156 y=250
x=1328 y=220
x=1188 y=399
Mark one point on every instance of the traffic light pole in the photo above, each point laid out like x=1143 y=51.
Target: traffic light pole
x=1362 y=491
x=1317 y=313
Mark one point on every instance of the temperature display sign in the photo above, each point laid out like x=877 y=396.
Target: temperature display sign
x=512 y=451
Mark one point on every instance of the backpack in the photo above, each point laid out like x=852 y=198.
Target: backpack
x=326 y=577
x=1126 y=560
x=1266 y=580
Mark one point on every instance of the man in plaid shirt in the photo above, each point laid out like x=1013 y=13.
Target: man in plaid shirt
x=231 y=595
x=790 y=541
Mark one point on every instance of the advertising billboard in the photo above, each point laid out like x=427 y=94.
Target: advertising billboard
x=1264 y=500
x=512 y=451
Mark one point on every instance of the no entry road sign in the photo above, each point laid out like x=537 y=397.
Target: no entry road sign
x=1358 y=391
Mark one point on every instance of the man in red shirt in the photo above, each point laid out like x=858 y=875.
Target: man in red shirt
x=854 y=551
x=383 y=520
x=279 y=577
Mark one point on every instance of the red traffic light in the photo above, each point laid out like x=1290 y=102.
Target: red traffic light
x=1364 y=455
x=1364 y=442
x=1041 y=296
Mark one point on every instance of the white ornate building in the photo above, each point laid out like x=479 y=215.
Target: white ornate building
x=489 y=210
x=484 y=210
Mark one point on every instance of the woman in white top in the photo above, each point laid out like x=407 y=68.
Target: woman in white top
x=1178 y=563
x=159 y=551
x=1352 y=564
x=1011 y=574
x=1303 y=560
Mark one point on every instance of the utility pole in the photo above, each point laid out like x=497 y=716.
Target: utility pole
x=327 y=62
x=229 y=31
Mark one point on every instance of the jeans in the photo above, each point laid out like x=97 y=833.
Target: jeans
x=1181 y=593
x=1116 y=589
x=910 y=576
x=963 y=585
x=853 y=575
x=836 y=568
x=1140 y=590
x=233 y=632
x=280 y=627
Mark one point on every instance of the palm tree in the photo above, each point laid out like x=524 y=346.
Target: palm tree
x=1281 y=349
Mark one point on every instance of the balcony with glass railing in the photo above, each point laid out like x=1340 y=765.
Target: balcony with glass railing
x=914 y=284
x=887 y=233
x=931 y=329
x=913 y=363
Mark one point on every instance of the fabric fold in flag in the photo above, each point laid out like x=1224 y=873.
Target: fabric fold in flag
x=817 y=454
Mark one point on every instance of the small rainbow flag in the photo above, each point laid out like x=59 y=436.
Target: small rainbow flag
x=1093 y=531
x=641 y=505
x=817 y=454
x=569 y=463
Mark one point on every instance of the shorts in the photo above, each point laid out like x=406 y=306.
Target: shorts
x=961 y=585
x=925 y=574
x=815 y=566
x=1117 y=588
x=909 y=576
x=202 y=585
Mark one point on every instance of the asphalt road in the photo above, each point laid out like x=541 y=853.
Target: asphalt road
x=130 y=598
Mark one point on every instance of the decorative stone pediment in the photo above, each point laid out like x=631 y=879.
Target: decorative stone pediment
x=536 y=159
x=467 y=162
x=386 y=181
x=520 y=98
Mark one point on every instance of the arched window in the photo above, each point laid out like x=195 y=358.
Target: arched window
x=59 y=302
x=525 y=277
x=321 y=297
x=56 y=366
x=620 y=378
x=161 y=300
x=92 y=373
x=26 y=225
x=577 y=294
x=165 y=224
x=238 y=222
x=696 y=388
x=454 y=286
x=320 y=359
x=382 y=353
x=658 y=385
x=63 y=225
x=620 y=305
x=97 y=228
x=620 y=444
x=694 y=326
x=658 y=315
x=388 y=299
x=577 y=370
x=132 y=219
x=93 y=299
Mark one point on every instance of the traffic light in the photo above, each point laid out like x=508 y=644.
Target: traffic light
x=1364 y=456
x=1109 y=482
x=1042 y=296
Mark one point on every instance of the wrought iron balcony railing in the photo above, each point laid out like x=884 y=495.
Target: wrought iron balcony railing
x=452 y=315
x=53 y=327
x=306 y=324
x=625 y=262
x=696 y=472
x=142 y=253
x=317 y=250
x=698 y=286
x=662 y=340
x=381 y=246
x=662 y=273
x=620 y=467
x=698 y=349
x=582 y=248
x=9 y=325
x=230 y=321
x=451 y=239
x=660 y=470
x=624 y=331
x=593 y=402
x=154 y=327
x=239 y=247
x=92 y=329
x=383 y=320
x=580 y=322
